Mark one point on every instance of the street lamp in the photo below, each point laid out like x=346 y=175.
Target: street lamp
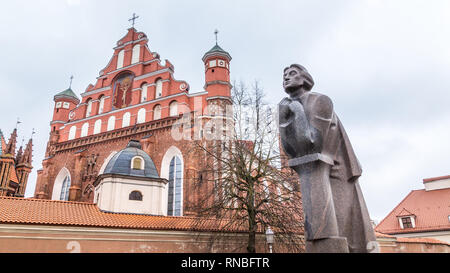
x=269 y=238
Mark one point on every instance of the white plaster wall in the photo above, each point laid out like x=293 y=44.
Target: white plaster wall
x=437 y=185
x=114 y=196
x=438 y=235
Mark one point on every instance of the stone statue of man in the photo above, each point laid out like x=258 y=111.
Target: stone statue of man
x=336 y=216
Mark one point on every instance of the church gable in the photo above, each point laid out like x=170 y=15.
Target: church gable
x=134 y=79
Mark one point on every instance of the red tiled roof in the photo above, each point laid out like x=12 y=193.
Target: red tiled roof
x=14 y=210
x=404 y=212
x=431 y=208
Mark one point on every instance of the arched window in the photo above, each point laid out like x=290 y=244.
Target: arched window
x=174 y=201
x=72 y=132
x=89 y=108
x=137 y=163
x=144 y=92
x=158 y=92
x=135 y=55
x=111 y=123
x=126 y=119
x=173 y=108
x=101 y=105
x=135 y=195
x=97 y=126
x=120 y=57
x=157 y=112
x=141 y=115
x=65 y=189
x=84 y=129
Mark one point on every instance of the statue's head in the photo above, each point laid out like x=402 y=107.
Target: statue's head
x=296 y=79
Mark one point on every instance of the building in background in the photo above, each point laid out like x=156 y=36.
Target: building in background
x=14 y=167
x=423 y=213
x=135 y=97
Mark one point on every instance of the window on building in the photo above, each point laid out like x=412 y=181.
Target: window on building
x=120 y=57
x=89 y=108
x=135 y=55
x=84 y=129
x=111 y=123
x=406 y=221
x=157 y=112
x=175 y=187
x=65 y=189
x=144 y=92
x=97 y=126
x=141 y=115
x=72 y=132
x=135 y=195
x=126 y=119
x=137 y=163
x=158 y=90
x=101 y=104
x=173 y=108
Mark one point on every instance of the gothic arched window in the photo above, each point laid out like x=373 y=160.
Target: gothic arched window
x=174 y=205
x=111 y=123
x=84 y=129
x=97 y=126
x=141 y=115
x=135 y=55
x=65 y=189
x=126 y=119
x=101 y=104
x=158 y=92
x=144 y=92
x=135 y=195
x=72 y=132
x=120 y=57
x=173 y=108
x=157 y=112
x=89 y=108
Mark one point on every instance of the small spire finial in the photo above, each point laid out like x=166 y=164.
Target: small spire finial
x=215 y=33
x=17 y=123
x=71 y=78
x=133 y=19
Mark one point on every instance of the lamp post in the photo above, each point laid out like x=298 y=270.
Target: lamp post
x=269 y=238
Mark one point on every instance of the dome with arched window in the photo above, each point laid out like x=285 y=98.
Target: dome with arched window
x=132 y=161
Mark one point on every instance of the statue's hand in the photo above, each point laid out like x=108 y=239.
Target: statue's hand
x=287 y=110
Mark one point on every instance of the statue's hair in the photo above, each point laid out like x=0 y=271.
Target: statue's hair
x=309 y=82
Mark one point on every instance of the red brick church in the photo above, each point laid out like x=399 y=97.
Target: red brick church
x=135 y=97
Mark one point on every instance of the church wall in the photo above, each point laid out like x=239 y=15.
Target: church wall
x=77 y=162
x=61 y=239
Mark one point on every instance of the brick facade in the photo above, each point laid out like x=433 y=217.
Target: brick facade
x=83 y=153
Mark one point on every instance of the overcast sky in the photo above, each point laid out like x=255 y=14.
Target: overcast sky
x=385 y=65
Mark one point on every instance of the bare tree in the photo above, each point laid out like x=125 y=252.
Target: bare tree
x=243 y=183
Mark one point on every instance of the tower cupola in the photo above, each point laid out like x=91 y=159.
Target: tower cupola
x=217 y=71
x=65 y=102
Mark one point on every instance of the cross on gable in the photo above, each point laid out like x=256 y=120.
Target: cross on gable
x=133 y=19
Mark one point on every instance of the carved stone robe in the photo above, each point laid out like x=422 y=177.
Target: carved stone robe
x=320 y=151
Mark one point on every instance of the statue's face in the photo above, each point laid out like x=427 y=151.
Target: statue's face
x=292 y=78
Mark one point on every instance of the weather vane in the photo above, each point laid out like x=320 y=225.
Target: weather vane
x=71 y=78
x=33 y=132
x=133 y=19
